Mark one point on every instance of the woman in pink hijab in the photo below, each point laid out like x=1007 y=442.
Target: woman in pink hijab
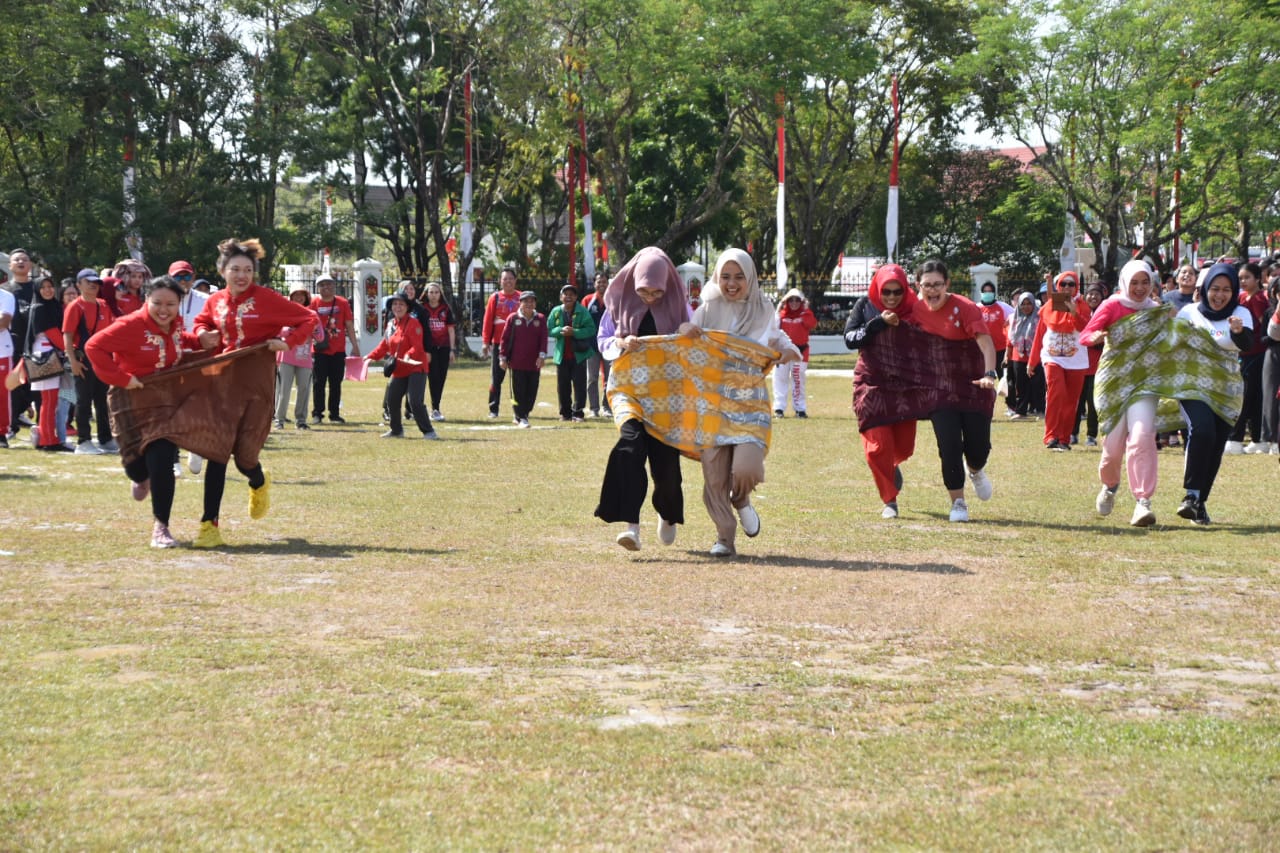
x=646 y=297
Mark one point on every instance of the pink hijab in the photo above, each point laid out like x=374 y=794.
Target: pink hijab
x=649 y=268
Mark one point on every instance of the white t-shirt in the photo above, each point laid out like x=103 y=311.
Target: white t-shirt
x=191 y=306
x=7 y=307
x=1220 y=329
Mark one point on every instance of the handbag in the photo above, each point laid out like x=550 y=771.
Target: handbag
x=51 y=363
x=388 y=365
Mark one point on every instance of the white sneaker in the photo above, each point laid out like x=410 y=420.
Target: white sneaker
x=890 y=510
x=630 y=538
x=666 y=532
x=959 y=510
x=436 y=416
x=1106 y=501
x=195 y=462
x=981 y=484
x=524 y=423
x=1142 y=514
x=1259 y=447
x=110 y=447
x=750 y=520
x=88 y=448
x=177 y=470
x=721 y=550
x=1233 y=448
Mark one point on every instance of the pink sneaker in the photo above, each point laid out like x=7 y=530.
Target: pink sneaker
x=141 y=490
x=160 y=537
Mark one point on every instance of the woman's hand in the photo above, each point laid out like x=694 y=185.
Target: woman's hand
x=987 y=382
x=689 y=329
x=890 y=317
x=1235 y=324
x=210 y=338
x=277 y=345
x=788 y=356
x=134 y=383
x=629 y=344
x=77 y=369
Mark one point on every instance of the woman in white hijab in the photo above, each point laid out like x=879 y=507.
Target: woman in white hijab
x=733 y=302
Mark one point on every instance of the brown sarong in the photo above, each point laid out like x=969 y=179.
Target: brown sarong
x=217 y=407
x=904 y=374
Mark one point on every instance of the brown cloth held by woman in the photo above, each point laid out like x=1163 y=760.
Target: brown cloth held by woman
x=215 y=407
x=905 y=374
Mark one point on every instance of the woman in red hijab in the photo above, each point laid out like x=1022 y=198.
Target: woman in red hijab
x=889 y=300
x=1066 y=361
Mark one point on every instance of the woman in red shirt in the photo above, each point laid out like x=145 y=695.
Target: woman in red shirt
x=795 y=319
x=964 y=437
x=409 y=376
x=138 y=345
x=242 y=314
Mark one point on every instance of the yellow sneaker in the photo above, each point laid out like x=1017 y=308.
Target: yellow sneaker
x=260 y=498
x=209 y=537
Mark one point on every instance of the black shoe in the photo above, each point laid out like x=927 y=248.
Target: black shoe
x=1202 y=515
x=316 y=419
x=802 y=414
x=336 y=419
x=1056 y=446
x=4 y=441
x=778 y=413
x=303 y=425
x=1188 y=509
x=897 y=478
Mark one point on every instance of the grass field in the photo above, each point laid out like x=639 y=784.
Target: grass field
x=435 y=645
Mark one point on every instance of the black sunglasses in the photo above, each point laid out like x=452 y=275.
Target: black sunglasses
x=184 y=277
x=897 y=292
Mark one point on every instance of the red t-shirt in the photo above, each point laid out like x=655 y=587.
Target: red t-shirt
x=439 y=319
x=997 y=323
x=496 y=312
x=957 y=320
x=135 y=346
x=127 y=301
x=97 y=316
x=335 y=317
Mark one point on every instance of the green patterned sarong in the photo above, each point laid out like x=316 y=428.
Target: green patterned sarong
x=1151 y=353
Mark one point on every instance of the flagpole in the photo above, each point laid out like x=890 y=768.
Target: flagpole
x=464 y=245
x=588 y=239
x=891 y=212
x=782 y=194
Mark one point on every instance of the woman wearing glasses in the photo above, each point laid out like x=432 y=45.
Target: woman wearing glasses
x=888 y=301
x=962 y=423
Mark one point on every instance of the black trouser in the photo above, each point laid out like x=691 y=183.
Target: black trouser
x=413 y=387
x=156 y=464
x=437 y=372
x=329 y=368
x=524 y=391
x=1251 y=412
x=1037 y=390
x=1206 y=437
x=1271 y=385
x=625 y=483
x=20 y=399
x=1086 y=410
x=496 y=375
x=1019 y=398
x=90 y=390
x=962 y=437
x=215 y=483
x=571 y=374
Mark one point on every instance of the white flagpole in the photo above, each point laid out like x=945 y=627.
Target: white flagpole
x=464 y=244
x=782 y=196
x=891 y=213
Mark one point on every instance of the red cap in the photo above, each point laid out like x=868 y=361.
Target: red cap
x=180 y=266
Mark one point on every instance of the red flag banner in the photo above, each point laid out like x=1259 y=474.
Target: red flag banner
x=217 y=407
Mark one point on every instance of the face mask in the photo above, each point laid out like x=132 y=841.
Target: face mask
x=988 y=298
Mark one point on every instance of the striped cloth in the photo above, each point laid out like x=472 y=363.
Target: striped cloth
x=217 y=407
x=695 y=393
x=1151 y=353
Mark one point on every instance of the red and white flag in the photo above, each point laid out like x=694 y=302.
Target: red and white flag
x=464 y=245
x=782 y=197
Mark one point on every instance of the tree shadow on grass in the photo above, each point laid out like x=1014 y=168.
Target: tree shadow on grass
x=13 y=475
x=297 y=546
x=1168 y=523
x=812 y=563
